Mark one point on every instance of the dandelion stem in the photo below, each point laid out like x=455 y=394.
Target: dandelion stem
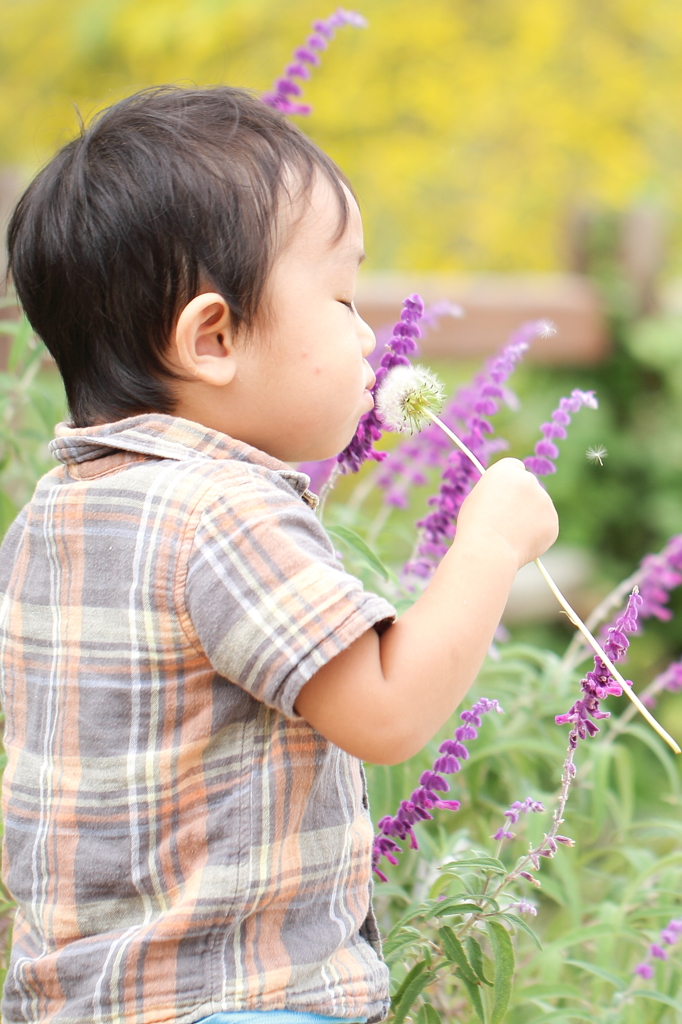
x=572 y=615
x=453 y=437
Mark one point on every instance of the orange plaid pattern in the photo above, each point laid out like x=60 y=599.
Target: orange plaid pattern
x=178 y=841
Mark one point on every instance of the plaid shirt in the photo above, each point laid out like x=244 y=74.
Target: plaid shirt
x=178 y=841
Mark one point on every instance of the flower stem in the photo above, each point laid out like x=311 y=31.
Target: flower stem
x=572 y=615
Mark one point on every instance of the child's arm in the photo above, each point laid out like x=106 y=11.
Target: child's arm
x=384 y=697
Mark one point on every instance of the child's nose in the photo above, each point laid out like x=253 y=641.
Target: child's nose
x=367 y=339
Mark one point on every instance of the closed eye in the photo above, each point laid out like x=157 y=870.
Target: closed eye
x=348 y=305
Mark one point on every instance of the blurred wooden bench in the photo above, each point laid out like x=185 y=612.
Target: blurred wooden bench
x=494 y=305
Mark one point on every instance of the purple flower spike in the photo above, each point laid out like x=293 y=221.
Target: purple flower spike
x=660 y=574
x=426 y=796
x=669 y=936
x=468 y=414
x=323 y=32
x=403 y=343
x=542 y=464
x=598 y=682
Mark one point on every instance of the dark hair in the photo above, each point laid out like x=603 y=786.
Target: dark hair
x=167 y=192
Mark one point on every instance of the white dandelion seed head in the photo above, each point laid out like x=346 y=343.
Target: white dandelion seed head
x=596 y=454
x=407 y=395
x=546 y=328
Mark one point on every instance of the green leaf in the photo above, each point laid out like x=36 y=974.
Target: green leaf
x=600 y=972
x=432 y=905
x=454 y=907
x=404 y=920
x=454 y=952
x=415 y=982
x=482 y=861
x=503 y=956
x=399 y=949
x=475 y=996
x=414 y=973
x=357 y=544
x=476 y=960
x=520 y=923
x=438 y=886
x=658 y=997
x=428 y=1015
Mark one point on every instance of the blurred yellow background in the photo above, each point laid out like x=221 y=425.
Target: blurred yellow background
x=472 y=129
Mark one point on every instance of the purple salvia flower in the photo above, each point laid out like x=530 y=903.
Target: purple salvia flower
x=524 y=907
x=307 y=56
x=469 y=413
x=529 y=878
x=427 y=795
x=670 y=679
x=523 y=807
x=657 y=575
x=402 y=344
x=518 y=808
x=598 y=682
x=645 y=971
x=669 y=936
x=430 y=319
x=542 y=463
x=319 y=472
x=660 y=574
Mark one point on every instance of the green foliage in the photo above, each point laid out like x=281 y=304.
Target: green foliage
x=31 y=403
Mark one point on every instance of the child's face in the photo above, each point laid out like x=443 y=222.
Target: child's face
x=298 y=383
x=304 y=366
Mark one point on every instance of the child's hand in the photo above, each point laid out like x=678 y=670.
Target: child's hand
x=508 y=503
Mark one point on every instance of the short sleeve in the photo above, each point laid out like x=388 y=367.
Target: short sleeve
x=268 y=598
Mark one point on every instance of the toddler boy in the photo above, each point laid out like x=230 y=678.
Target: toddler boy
x=190 y=679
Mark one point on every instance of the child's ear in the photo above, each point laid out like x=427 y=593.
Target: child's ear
x=203 y=341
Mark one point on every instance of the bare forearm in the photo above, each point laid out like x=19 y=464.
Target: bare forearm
x=383 y=699
x=432 y=654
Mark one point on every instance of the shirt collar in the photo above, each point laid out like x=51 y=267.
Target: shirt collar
x=166 y=437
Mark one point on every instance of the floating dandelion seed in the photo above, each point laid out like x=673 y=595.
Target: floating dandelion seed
x=407 y=397
x=596 y=454
x=547 y=328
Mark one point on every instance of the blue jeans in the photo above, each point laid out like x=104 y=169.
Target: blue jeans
x=275 y=1017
